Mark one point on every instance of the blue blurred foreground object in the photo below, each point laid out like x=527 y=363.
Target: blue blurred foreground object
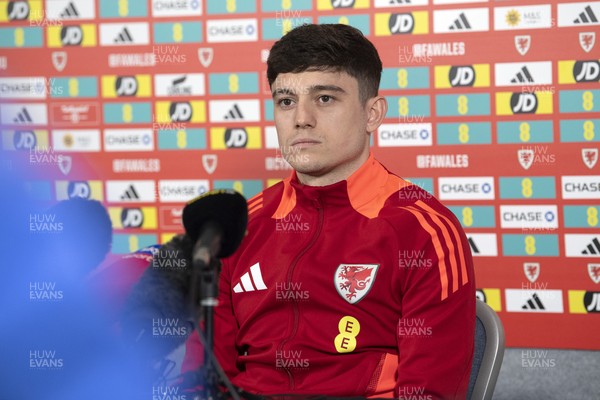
x=55 y=342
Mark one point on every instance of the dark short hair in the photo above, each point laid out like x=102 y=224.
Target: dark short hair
x=327 y=47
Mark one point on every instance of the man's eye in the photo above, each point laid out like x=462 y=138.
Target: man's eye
x=285 y=102
x=325 y=99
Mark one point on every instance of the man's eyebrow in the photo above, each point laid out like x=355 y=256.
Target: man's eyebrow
x=312 y=89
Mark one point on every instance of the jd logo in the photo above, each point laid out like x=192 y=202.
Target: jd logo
x=401 y=23
x=523 y=103
x=71 y=35
x=132 y=217
x=126 y=86
x=236 y=138
x=24 y=140
x=586 y=71
x=462 y=76
x=79 y=189
x=180 y=111
x=17 y=10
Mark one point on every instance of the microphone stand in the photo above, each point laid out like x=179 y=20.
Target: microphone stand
x=205 y=270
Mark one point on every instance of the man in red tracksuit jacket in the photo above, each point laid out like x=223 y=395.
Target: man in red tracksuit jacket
x=351 y=281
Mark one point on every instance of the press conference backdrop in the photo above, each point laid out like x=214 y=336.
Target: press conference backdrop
x=493 y=108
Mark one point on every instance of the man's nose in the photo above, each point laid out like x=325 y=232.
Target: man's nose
x=305 y=117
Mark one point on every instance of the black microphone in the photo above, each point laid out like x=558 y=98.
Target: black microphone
x=157 y=315
x=219 y=213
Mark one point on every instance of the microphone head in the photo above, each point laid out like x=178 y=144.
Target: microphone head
x=227 y=208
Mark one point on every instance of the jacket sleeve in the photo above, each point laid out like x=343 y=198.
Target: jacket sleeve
x=225 y=331
x=436 y=330
x=226 y=326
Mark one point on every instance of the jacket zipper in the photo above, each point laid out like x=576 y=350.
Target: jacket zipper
x=320 y=210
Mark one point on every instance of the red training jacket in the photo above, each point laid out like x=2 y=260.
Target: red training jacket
x=361 y=288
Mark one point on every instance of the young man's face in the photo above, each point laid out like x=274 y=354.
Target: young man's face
x=322 y=126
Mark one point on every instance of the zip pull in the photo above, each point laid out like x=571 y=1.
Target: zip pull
x=317 y=203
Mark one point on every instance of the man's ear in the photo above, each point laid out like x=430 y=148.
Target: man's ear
x=376 y=108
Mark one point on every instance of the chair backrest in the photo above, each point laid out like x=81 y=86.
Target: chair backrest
x=488 y=355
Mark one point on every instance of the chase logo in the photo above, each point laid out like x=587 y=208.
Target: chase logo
x=336 y=4
x=391 y=135
x=176 y=8
x=477 y=75
x=133 y=217
x=416 y=23
x=126 y=86
x=21 y=11
x=176 y=191
x=79 y=189
x=83 y=35
x=529 y=217
x=235 y=138
x=580 y=187
x=232 y=30
x=128 y=140
x=523 y=103
x=180 y=111
x=25 y=140
x=578 y=71
x=583 y=302
x=23 y=88
x=466 y=188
